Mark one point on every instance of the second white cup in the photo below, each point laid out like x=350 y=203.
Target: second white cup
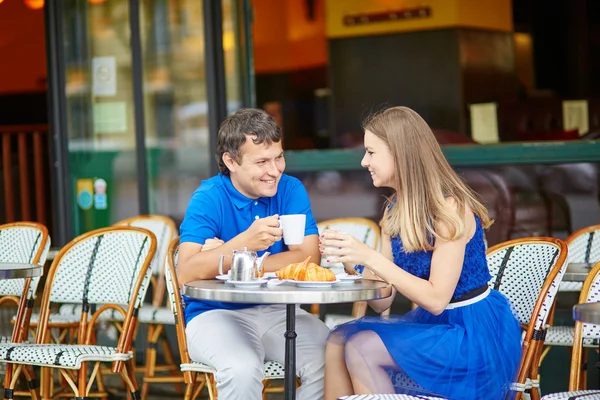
x=293 y=228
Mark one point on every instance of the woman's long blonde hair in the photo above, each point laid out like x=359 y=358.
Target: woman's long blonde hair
x=423 y=179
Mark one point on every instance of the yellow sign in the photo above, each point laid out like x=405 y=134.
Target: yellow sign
x=371 y=17
x=84 y=188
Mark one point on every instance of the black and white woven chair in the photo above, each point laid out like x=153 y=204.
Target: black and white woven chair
x=197 y=375
x=21 y=242
x=367 y=232
x=100 y=270
x=156 y=315
x=583 y=332
x=528 y=272
x=584 y=247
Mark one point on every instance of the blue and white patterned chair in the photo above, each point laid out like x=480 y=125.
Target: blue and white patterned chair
x=193 y=370
x=21 y=242
x=368 y=232
x=528 y=272
x=584 y=247
x=100 y=270
x=583 y=332
x=155 y=315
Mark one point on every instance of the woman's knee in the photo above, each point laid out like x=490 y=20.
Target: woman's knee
x=366 y=347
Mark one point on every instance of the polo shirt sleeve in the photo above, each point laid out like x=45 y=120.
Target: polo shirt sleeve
x=297 y=202
x=202 y=219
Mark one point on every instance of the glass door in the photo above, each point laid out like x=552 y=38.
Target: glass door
x=175 y=97
x=102 y=80
x=100 y=120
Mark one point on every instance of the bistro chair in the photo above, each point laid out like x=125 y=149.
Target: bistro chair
x=103 y=269
x=584 y=334
x=367 y=232
x=584 y=247
x=528 y=272
x=156 y=315
x=21 y=242
x=197 y=375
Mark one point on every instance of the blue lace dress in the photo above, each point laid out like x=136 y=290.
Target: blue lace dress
x=468 y=352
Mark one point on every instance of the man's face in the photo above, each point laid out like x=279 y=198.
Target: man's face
x=260 y=169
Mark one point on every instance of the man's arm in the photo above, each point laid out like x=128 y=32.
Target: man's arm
x=195 y=264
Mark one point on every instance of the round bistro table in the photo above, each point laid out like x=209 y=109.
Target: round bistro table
x=19 y=270
x=362 y=290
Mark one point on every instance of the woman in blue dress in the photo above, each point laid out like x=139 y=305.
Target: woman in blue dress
x=463 y=340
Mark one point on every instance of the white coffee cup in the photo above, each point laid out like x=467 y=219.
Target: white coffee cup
x=293 y=228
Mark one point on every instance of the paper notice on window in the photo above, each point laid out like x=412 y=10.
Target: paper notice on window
x=110 y=117
x=484 y=122
x=575 y=116
x=104 y=76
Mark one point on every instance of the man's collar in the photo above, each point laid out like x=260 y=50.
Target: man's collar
x=239 y=200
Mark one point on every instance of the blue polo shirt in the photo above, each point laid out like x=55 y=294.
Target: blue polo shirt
x=218 y=209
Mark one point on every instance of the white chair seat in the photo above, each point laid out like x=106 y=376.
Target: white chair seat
x=156 y=315
x=567 y=286
x=387 y=397
x=147 y=315
x=59 y=355
x=579 y=395
x=56 y=319
x=333 y=320
x=563 y=336
x=272 y=369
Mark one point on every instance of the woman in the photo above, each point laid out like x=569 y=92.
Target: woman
x=463 y=340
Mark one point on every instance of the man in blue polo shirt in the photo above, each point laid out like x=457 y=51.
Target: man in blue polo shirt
x=239 y=208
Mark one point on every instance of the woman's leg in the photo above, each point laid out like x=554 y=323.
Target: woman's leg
x=337 y=378
x=367 y=360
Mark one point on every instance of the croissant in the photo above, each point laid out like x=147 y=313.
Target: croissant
x=306 y=271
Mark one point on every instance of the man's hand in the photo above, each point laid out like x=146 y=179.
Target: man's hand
x=211 y=244
x=263 y=233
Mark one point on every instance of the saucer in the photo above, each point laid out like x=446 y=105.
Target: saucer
x=248 y=284
x=314 y=284
x=223 y=277
x=346 y=278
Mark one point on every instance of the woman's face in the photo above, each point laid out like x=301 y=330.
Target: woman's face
x=379 y=161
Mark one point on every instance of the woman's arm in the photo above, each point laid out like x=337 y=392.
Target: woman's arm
x=446 y=265
x=386 y=251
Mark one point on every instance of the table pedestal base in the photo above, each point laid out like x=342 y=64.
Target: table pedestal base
x=289 y=383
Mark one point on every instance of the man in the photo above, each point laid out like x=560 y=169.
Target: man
x=239 y=208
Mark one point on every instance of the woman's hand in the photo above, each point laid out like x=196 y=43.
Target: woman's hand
x=342 y=247
x=211 y=244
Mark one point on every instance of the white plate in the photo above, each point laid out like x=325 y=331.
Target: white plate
x=269 y=275
x=313 y=284
x=248 y=284
x=224 y=277
x=348 y=278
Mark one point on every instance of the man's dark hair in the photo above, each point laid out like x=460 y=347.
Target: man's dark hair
x=233 y=131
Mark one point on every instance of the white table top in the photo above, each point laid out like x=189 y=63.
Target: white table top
x=19 y=270
x=362 y=290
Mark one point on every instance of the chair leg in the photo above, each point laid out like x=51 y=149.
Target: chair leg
x=212 y=386
x=189 y=390
x=31 y=382
x=169 y=358
x=8 y=392
x=46 y=383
